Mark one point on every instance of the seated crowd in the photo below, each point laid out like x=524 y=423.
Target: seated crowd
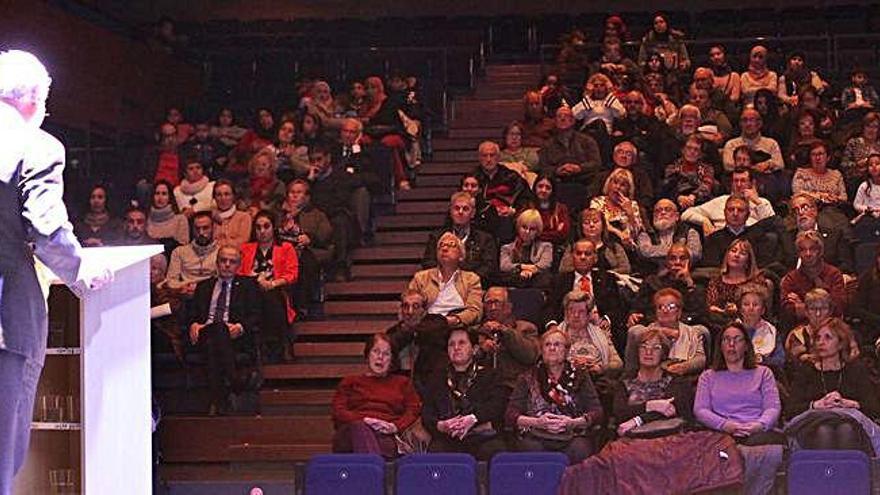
x=705 y=244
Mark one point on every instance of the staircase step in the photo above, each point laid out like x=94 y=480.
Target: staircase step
x=401 y=271
x=367 y=287
x=422 y=207
x=440 y=180
x=473 y=131
x=299 y=397
x=426 y=194
x=303 y=371
x=207 y=439
x=454 y=168
x=277 y=453
x=388 y=253
x=509 y=69
x=364 y=308
x=495 y=94
x=328 y=349
x=450 y=143
x=420 y=221
x=342 y=327
x=469 y=156
x=419 y=237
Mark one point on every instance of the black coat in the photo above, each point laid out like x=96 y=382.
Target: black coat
x=487 y=396
x=332 y=194
x=606 y=293
x=244 y=303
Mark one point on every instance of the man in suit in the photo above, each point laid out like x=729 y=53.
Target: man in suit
x=587 y=277
x=224 y=322
x=31 y=211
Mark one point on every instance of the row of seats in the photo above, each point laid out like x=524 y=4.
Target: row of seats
x=820 y=472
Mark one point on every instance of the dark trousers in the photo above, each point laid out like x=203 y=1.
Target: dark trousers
x=342 y=238
x=478 y=446
x=18 y=381
x=359 y=438
x=219 y=350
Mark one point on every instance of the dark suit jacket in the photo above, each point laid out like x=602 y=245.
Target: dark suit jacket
x=605 y=292
x=481 y=256
x=763 y=236
x=244 y=303
x=31 y=210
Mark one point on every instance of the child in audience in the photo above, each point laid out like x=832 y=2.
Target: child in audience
x=867 y=203
x=859 y=94
x=753 y=307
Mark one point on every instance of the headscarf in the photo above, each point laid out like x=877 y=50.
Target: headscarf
x=375 y=103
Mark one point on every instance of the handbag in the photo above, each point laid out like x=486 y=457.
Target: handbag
x=658 y=428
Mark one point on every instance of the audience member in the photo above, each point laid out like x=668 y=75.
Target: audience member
x=369 y=410
x=736 y=213
x=661 y=38
x=309 y=231
x=464 y=407
x=619 y=208
x=97 y=227
x=481 y=252
x=858 y=150
x=554 y=405
x=526 y=262
x=591 y=346
x=667 y=230
x=625 y=157
x=833 y=401
x=859 y=94
x=739 y=397
x=134 y=229
x=196 y=261
x=554 y=214
x=207 y=149
x=502 y=188
x=574 y=157
x=517 y=157
x=419 y=340
x=383 y=124
x=676 y=274
x=687 y=351
x=322 y=105
x=224 y=322
x=866 y=303
x=739 y=269
x=165 y=314
x=750 y=123
x=259 y=136
x=599 y=103
x=536 y=127
x=231 y=225
x=812 y=272
x=757 y=75
x=195 y=192
x=690 y=181
x=275 y=266
x=226 y=130
x=798 y=75
x=164 y=222
x=726 y=79
x=752 y=304
x=651 y=393
x=448 y=290
x=800 y=344
x=824 y=184
x=261 y=189
x=292 y=157
x=507 y=344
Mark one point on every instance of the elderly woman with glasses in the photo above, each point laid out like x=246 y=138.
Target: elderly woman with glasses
x=554 y=405
x=800 y=343
x=687 y=352
x=369 y=409
x=449 y=291
x=651 y=394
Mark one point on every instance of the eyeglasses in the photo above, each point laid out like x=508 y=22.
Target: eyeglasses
x=739 y=339
x=650 y=347
x=450 y=245
x=668 y=307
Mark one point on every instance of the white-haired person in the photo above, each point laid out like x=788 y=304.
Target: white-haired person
x=31 y=191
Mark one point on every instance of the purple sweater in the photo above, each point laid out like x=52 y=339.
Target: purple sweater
x=741 y=396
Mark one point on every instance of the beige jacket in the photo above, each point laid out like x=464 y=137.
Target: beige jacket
x=427 y=282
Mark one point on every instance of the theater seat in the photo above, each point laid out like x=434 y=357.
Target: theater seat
x=230 y=487
x=527 y=304
x=437 y=474
x=344 y=474
x=526 y=473
x=829 y=472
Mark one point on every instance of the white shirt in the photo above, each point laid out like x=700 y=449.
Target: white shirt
x=713 y=212
x=448 y=299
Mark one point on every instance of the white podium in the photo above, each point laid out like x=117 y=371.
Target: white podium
x=98 y=371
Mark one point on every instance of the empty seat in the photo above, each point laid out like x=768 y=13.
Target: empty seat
x=342 y=474
x=526 y=473
x=436 y=474
x=829 y=472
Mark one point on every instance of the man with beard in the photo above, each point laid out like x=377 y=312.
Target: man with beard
x=196 y=261
x=668 y=230
x=508 y=345
x=836 y=239
x=419 y=339
x=481 y=253
x=134 y=229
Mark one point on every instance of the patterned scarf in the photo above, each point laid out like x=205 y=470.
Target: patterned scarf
x=459 y=385
x=559 y=393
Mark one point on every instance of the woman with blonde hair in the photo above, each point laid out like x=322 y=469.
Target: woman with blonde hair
x=526 y=261
x=739 y=268
x=261 y=190
x=621 y=211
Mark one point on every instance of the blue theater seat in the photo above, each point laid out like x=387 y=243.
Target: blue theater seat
x=344 y=474
x=829 y=472
x=437 y=474
x=526 y=473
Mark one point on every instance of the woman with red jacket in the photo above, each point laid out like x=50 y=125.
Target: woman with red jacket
x=275 y=266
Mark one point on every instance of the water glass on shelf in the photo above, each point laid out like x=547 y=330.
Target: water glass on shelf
x=71 y=411
x=62 y=481
x=51 y=408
